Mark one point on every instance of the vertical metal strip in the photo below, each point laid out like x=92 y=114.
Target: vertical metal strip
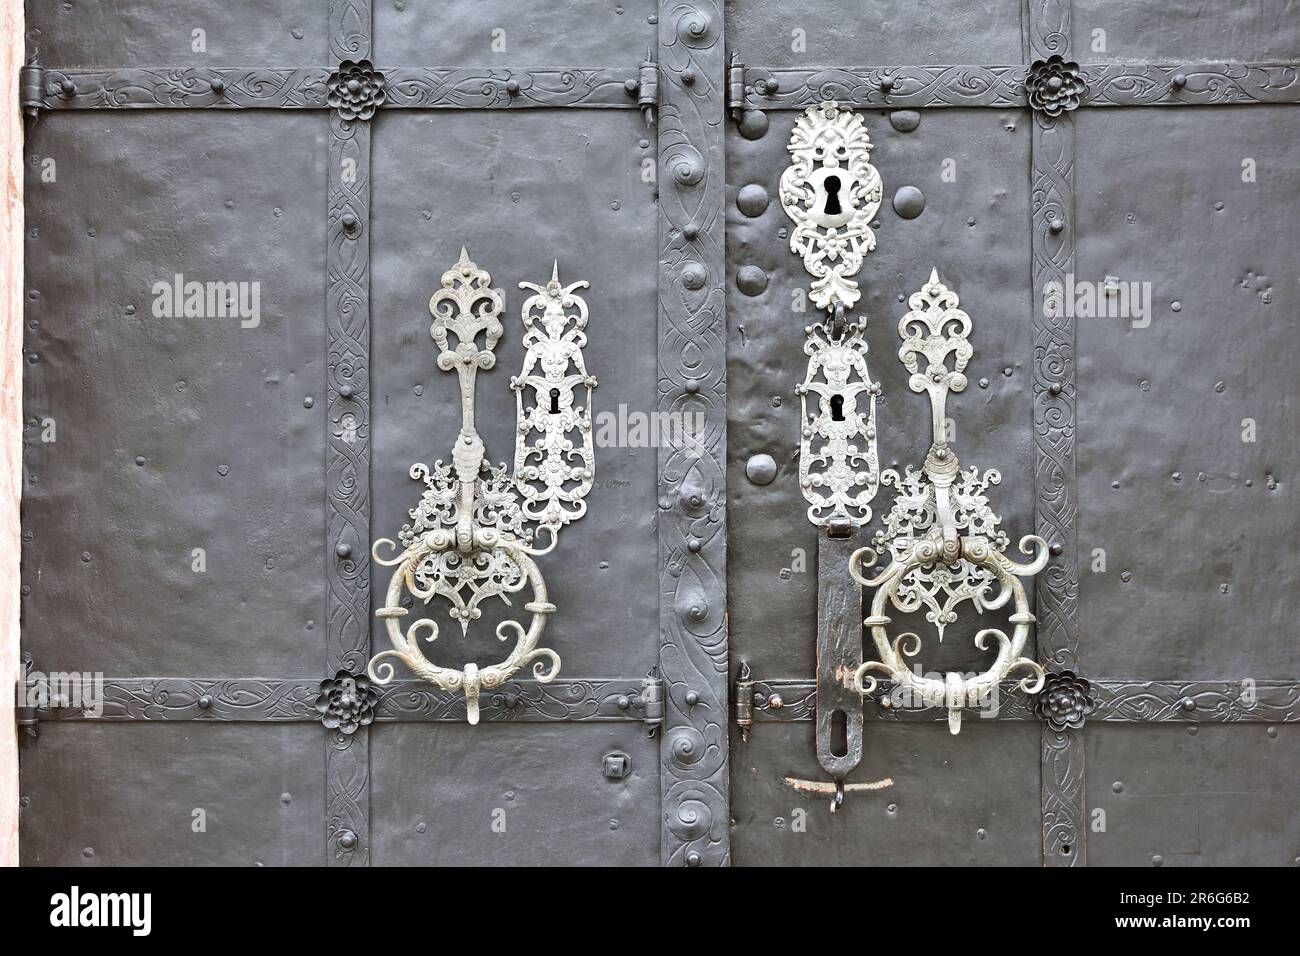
x=839 y=651
x=347 y=440
x=1056 y=510
x=692 y=479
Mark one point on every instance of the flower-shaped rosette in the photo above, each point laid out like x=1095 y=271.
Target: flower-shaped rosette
x=347 y=702
x=1055 y=86
x=356 y=90
x=1065 y=701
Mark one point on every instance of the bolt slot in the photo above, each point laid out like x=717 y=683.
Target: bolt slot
x=555 y=401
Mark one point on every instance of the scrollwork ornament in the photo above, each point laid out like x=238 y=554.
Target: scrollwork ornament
x=346 y=702
x=831 y=192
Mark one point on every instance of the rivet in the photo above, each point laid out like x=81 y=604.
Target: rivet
x=347 y=839
x=776 y=401
x=694 y=545
x=886 y=83
x=1157 y=860
x=692 y=698
x=1188 y=704
x=1177 y=476
x=223 y=470
x=1056 y=549
x=1056 y=225
x=1008 y=371
x=624 y=702
x=139 y=459
x=905 y=120
x=1179 y=81
x=1126 y=576
x=630 y=87
x=751 y=280
x=85 y=556
x=775 y=702
x=690 y=231
x=688 y=77
x=1272 y=731
x=205 y=702
x=343 y=550
x=692 y=386
x=511 y=701
x=752 y=200
x=1175 y=306
x=512 y=87
x=1219 y=387
x=984 y=383
x=130 y=310
x=693 y=276
x=88 y=852
x=753 y=124
x=892 y=808
x=1144 y=385
x=693 y=858
x=286 y=798
x=1223 y=588
x=761 y=469
x=421 y=827
x=613 y=824
x=909 y=202
x=345 y=391
x=68 y=88
x=1117 y=786
x=349 y=221
x=308 y=402
x=1054 y=388
x=981 y=833
x=696 y=612
x=218 y=87
x=1115 y=485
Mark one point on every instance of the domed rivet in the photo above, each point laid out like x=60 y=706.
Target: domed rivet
x=776 y=702
x=308 y=402
x=752 y=200
x=1272 y=731
x=343 y=550
x=624 y=702
x=511 y=701
x=694 y=276
x=751 y=280
x=905 y=120
x=981 y=833
x=886 y=83
x=696 y=613
x=85 y=556
x=909 y=202
x=345 y=391
x=1187 y=703
x=286 y=798
x=630 y=87
x=512 y=87
x=1054 y=388
x=218 y=87
x=347 y=839
x=694 y=545
x=688 y=77
x=761 y=469
x=1157 y=860
x=205 y=702
x=692 y=387
x=693 y=859
x=753 y=124
x=691 y=231
x=695 y=500
x=1057 y=224
x=1056 y=549
x=1179 y=81
x=1117 y=786
x=692 y=698
x=68 y=88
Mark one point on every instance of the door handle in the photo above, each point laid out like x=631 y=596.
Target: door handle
x=472 y=535
x=944 y=542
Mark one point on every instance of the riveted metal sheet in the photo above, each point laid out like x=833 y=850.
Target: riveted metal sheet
x=180 y=443
x=498 y=193
x=498 y=34
x=967 y=800
x=1194 y=524
x=177 y=795
x=200 y=33
x=502 y=795
x=1184 y=30
x=1193 y=795
x=826 y=33
x=773 y=581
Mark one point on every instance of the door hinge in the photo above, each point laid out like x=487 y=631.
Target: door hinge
x=31 y=87
x=744 y=698
x=735 y=87
x=646 y=87
x=652 y=700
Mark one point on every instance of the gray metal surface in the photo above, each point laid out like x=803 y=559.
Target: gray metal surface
x=281 y=450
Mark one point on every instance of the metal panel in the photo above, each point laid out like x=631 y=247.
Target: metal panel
x=506 y=795
x=1164 y=408
x=1185 y=29
x=160 y=423
x=1193 y=796
x=254 y=789
x=964 y=800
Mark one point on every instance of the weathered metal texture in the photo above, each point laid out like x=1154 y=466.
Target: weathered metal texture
x=347 y=444
x=839 y=652
x=692 y=519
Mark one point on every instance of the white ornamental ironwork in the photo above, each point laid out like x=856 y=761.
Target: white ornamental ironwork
x=472 y=535
x=944 y=543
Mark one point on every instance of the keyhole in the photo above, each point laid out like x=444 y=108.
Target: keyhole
x=837 y=408
x=555 y=401
x=839 y=733
x=832 y=207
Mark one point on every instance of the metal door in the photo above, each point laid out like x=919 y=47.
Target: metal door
x=1150 y=449
x=201 y=493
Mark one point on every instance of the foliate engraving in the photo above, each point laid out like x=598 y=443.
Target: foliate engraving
x=356 y=89
x=831 y=192
x=838 y=461
x=553 y=470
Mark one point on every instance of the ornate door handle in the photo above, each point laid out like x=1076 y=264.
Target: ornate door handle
x=943 y=538
x=471 y=536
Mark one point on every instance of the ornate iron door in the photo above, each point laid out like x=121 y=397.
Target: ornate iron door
x=237 y=220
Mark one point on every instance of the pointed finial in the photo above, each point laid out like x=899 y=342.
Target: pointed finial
x=464 y=257
x=555 y=272
x=934 y=276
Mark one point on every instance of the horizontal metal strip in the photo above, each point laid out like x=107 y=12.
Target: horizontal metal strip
x=411 y=88
x=1245 y=701
x=294 y=699
x=1109 y=84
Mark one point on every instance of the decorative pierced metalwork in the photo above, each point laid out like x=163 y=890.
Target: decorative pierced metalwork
x=1055 y=86
x=831 y=192
x=949 y=539
x=838 y=460
x=469 y=537
x=356 y=89
x=1065 y=701
x=554 y=473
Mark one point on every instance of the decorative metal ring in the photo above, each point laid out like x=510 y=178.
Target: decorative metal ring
x=471 y=679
